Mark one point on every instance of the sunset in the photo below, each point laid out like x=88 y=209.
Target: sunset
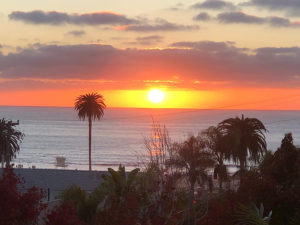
x=135 y=112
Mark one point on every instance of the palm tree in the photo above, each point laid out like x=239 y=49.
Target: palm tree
x=216 y=143
x=90 y=106
x=252 y=215
x=117 y=183
x=192 y=157
x=9 y=141
x=120 y=202
x=245 y=137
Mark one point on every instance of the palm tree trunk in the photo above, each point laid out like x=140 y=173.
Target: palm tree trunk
x=90 y=143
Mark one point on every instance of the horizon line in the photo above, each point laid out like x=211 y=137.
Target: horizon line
x=157 y=108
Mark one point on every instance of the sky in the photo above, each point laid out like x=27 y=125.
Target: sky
x=209 y=54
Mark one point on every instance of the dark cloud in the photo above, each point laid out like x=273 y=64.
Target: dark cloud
x=159 y=25
x=206 y=61
x=240 y=17
x=202 y=17
x=120 y=22
x=58 y=18
x=292 y=7
x=214 y=5
x=76 y=33
x=280 y=22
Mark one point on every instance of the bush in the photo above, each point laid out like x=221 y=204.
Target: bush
x=63 y=214
x=18 y=207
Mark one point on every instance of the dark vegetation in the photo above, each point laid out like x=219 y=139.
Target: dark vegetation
x=185 y=183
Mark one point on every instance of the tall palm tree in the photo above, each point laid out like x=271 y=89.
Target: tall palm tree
x=90 y=106
x=9 y=141
x=245 y=137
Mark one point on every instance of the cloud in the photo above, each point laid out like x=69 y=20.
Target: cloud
x=59 y=18
x=147 y=40
x=240 y=17
x=214 y=5
x=158 y=25
x=208 y=46
x=76 y=33
x=205 y=61
x=119 y=22
x=292 y=7
x=202 y=17
x=177 y=7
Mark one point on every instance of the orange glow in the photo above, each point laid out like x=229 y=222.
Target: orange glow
x=125 y=27
x=264 y=99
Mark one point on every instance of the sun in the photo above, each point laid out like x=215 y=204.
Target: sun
x=156 y=96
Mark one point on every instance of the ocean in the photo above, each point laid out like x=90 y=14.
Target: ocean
x=118 y=138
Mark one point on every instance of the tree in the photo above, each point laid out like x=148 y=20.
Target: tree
x=63 y=214
x=215 y=141
x=282 y=170
x=121 y=201
x=193 y=157
x=90 y=106
x=245 y=137
x=9 y=141
x=85 y=203
x=18 y=207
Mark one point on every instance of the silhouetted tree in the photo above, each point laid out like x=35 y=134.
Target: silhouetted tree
x=193 y=158
x=246 y=137
x=90 y=106
x=121 y=200
x=282 y=170
x=9 y=141
x=215 y=141
x=85 y=203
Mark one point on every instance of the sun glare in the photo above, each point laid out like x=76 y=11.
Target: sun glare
x=156 y=96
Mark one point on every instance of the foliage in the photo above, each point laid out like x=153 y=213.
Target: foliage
x=192 y=157
x=120 y=203
x=251 y=215
x=84 y=203
x=282 y=170
x=246 y=137
x=9 y=140
x=90 y=106
x=63 y=214
x=215 y=141
x=221 y=209
x=18 y=207
x=158 y=199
